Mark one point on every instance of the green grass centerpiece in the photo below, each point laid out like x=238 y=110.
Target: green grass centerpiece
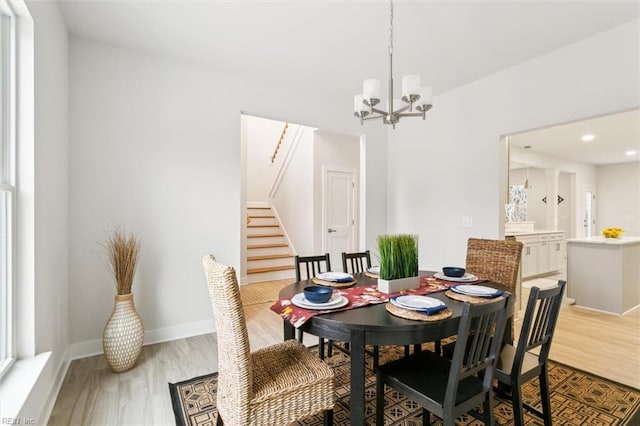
x=398 y=262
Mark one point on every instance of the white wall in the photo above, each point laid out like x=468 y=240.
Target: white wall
x=618 y=197
x=262 y=138
x=454 y=164
x=155 y=146
x=294 y=199
x=333 y=150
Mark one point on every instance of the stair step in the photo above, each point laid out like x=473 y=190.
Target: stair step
x=260 y=246
x=264 y=235
x=265 y=216
x=263 y=226
x=258 y=208
x=270 y=269
x=269 y=257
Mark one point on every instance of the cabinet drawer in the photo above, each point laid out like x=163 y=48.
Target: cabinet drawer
x=526 y=239
x=556 y=237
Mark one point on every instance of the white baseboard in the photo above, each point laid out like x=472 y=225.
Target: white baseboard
x=55 y=387
x=158 y=335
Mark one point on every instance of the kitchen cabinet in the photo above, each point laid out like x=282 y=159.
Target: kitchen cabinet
x=542 y=252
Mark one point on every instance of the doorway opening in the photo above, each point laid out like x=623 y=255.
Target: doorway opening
x=301 y=195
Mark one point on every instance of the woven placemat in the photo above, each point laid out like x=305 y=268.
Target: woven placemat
x=464 y=298
x=371 y=275
x=333 y=283
x=413 y=315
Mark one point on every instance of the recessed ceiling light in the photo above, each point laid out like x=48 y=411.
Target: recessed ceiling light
x=588 y=138
x=631 y=153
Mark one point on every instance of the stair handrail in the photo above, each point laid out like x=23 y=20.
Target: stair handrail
x=285 y=163
x=277 y=148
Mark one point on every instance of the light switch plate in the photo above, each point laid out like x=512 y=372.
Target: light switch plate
x=467 y=221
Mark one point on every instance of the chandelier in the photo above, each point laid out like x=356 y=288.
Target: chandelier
x=415 y=101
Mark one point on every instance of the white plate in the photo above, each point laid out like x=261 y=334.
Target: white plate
x=418 y=302
x=463 y=279
x=334 y=276
x=374 y=270
x=336 y=301
x=476 y=290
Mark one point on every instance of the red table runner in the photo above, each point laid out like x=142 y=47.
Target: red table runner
x=358 y=297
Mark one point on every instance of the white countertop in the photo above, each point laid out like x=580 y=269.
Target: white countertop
x=534 y=232
x=602 y=240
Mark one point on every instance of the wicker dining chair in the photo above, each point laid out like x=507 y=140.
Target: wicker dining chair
x=275 y=385
x=497 y=261
x=518 y=364
x=494 y=260
x=450 y=388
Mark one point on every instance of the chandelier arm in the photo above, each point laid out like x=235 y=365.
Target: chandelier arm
x=404 y=108
x=372 y=117
x=379 y=111
x=410 y=114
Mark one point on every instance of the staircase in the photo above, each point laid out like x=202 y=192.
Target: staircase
x=268 y=254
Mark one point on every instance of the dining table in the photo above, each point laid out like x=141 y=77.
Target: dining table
x=373 y=325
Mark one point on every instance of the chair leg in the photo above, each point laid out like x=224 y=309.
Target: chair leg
x=300 y=336
x=379 y=400
x=219 y=421
x=516 y=402
x=438 y=347
x=321 y=347
x=407 y=350
x=327 y=417
x=544 y=396
x=426 y=417
x=329 y=348
x=376 y=357
x=488 y=409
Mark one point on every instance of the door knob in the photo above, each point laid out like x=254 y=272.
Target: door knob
x=331 y=230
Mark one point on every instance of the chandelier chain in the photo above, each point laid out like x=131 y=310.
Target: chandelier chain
x=391 y=27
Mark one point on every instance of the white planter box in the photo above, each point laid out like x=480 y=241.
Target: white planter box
x=394 y=286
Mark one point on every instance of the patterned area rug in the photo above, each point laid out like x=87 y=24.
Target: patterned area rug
x=577 y=398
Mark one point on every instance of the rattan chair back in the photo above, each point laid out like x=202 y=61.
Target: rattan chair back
x=234 y=359
x=495 y=260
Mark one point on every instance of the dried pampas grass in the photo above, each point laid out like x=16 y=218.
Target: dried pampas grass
x=123 y=249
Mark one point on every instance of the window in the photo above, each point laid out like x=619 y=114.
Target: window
x=7 y=184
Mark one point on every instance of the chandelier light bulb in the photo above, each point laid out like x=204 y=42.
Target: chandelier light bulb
x=425 y=95
x=372 y=88
x=410 y=85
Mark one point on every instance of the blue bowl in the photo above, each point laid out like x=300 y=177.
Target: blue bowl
x=318 y=293
x=453 y=271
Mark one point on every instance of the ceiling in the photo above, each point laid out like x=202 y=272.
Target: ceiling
x=613 y=136
x=326 y=48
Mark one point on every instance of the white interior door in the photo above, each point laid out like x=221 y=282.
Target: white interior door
x=339 y=215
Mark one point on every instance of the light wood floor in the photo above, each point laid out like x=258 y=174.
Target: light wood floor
x=606 y=345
